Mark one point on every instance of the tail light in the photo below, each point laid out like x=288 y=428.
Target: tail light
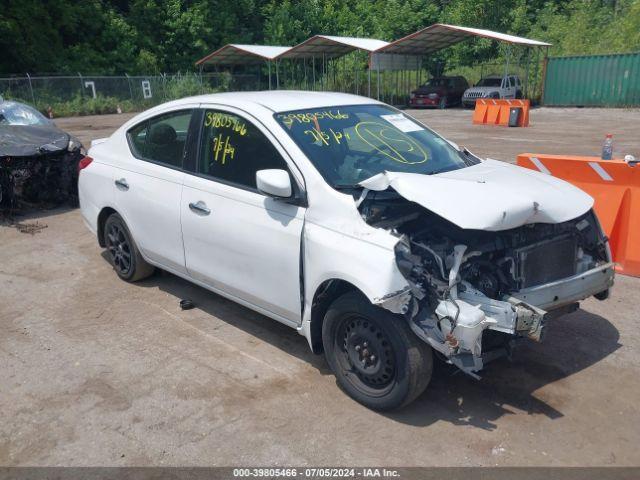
x=84 y=163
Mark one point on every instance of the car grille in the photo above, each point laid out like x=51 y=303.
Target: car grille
x=547 y=261
x=473 y=94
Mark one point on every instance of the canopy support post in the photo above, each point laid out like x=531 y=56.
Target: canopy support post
x=369 y=75
x=378 y=82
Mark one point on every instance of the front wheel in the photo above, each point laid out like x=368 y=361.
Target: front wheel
x=376 y=358
x=442 y=104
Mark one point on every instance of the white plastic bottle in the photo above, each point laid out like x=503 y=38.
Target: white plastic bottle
x=607 y=147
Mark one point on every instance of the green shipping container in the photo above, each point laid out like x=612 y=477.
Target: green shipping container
x=593 y=81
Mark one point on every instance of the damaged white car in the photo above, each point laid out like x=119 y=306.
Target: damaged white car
x=348 y=220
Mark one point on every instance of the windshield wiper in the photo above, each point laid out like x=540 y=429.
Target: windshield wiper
x=348 y=187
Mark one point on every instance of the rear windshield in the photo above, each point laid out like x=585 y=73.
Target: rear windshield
x=439 y=82
x=348 y=144
x=13 y=113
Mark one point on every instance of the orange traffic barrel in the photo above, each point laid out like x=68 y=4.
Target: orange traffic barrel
x=615 y=188
x=497 y=112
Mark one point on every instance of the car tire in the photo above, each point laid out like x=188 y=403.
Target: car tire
x=376 y=358
x=123 y=252
x=442 y=104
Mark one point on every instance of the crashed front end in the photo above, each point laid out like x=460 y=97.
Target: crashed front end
x=472 y=293
x=32 y=174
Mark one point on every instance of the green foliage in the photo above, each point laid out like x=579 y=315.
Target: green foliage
x=153 y=36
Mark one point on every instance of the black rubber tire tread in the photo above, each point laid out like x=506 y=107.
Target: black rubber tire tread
x=414 y=358
x=140 y=268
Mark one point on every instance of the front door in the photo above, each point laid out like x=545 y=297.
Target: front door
x=236 y=239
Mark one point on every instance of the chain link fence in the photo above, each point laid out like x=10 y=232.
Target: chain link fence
x=86 y=94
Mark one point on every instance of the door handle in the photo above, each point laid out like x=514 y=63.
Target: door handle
x=200 y=208
x=122 y=183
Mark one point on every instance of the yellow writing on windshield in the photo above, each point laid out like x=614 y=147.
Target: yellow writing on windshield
x=223 y=120
x=222 y=149
x=324 y=138
x=289 y=119
x=391 y=142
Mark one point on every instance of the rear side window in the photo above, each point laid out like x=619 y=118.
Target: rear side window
x=233 y=150
x=161 y=139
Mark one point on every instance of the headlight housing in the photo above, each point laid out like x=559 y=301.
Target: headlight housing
x=74 y=144
x=433 y=95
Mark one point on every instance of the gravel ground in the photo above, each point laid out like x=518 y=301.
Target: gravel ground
x=96 y=371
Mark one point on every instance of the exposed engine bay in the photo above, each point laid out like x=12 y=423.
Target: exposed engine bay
x=472 y=293
x=42 y=180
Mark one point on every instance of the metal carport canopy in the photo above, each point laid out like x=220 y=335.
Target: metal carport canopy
x=440 y=35
x=237 y=54
x=331 y=46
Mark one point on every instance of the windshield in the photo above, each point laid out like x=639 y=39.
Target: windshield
x=490 y=82
x=13 y=113
x=352 y=143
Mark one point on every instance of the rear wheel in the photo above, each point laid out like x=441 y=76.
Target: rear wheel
x=123 y=252
x=376 y=358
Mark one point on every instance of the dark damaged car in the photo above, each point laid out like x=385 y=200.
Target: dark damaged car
x=38 y=161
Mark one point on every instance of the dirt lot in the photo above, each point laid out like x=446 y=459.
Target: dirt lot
x=95 y=371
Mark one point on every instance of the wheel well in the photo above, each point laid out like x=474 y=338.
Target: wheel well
x=102 y=218
x=325 y=294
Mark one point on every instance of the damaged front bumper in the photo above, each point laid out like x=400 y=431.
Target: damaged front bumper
x=456 y=327
x=569 y=290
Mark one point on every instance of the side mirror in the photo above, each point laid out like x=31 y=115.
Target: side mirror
x=274 y=183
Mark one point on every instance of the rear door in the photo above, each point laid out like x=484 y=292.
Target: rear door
x=237 y=240
x=148 y=186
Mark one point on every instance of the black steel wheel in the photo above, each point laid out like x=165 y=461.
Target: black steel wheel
x=366 y=353
x=376 y=358
x=123 y=252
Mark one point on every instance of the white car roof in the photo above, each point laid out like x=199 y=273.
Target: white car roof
x=280 y=100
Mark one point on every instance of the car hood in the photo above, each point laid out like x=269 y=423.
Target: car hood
x=491 y=195
x=30 y=140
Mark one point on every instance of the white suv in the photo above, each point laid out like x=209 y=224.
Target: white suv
x=493 y=86
x=374 y=237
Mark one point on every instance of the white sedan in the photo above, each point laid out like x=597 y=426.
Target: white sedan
x=342 y=217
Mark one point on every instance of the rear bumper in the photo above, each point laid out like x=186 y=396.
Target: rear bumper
x=569 y=290
x=424 y=102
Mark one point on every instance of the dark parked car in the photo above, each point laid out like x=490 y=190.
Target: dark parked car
x=439 y=92
x=38 y=161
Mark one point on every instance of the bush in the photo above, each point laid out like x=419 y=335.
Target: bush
x=173 y=88
x=87 y=106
